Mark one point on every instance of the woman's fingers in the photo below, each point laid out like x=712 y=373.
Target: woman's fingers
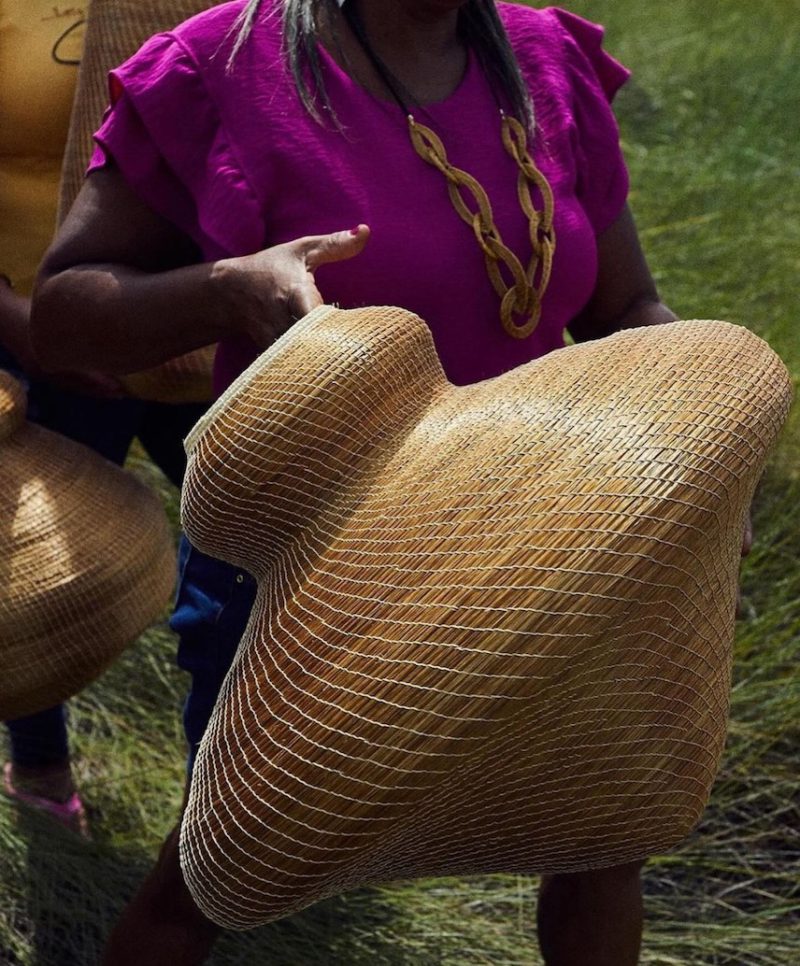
x=316 y=250
x=274 y=288
x=336 y=247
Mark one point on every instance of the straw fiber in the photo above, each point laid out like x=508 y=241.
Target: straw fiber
x=115 y=30
x=493 y=626
x=86 y=561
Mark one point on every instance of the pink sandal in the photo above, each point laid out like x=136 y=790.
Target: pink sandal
x=71 y=813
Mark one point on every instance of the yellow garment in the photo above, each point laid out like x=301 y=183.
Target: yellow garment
x=40 y=46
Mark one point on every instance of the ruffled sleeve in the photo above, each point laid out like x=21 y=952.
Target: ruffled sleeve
x=163 y=132
x=602 y=176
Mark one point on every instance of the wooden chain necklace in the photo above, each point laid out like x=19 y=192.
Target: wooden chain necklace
x=522 y=296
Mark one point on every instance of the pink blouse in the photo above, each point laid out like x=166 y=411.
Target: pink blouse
x=234 y=160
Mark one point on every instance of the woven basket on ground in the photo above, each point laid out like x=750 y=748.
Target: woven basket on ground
x=115 y=30
x=86 y=561
x=494 y=623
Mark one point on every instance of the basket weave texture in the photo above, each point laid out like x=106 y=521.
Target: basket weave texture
x=115 y=30
x=493 y=625
x=86 y=561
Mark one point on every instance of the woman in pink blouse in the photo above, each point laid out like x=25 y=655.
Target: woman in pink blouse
x=257 y=161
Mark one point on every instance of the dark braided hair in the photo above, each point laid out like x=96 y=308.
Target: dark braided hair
x=480 y=28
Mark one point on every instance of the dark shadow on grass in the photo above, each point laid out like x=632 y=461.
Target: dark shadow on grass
x=348 y=930
x=75 y=890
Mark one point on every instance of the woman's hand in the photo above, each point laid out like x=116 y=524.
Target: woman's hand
x=268 y=291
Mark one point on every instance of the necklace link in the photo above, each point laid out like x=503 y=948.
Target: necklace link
x=523 y=297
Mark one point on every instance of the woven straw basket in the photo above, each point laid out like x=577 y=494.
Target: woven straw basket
x=494 y=623
x=115 y=30
x=86 y=561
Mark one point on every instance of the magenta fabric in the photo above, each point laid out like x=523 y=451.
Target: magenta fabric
x=235 y=161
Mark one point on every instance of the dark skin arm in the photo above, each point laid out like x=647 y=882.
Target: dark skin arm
x=625 y=295
x=121 y=288
x=15 y=337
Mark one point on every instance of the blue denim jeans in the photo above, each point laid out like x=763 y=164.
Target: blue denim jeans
x=212 y=607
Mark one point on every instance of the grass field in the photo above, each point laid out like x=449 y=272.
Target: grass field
x=711 y=127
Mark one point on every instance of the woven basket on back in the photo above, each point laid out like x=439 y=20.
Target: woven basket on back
x=494 y=623
x=115 y=30
x=86 y=561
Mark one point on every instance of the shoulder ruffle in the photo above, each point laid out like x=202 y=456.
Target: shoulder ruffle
x=572 y=71
x=596 y=77
x=164 y=133
x=597 y=66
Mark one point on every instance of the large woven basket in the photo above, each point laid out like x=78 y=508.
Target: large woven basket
x=86 y=561
x=115 y=30
x=493 y=626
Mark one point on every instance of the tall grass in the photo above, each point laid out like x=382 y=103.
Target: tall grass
x=711 y=128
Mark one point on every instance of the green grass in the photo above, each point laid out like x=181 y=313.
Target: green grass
x=711 y=127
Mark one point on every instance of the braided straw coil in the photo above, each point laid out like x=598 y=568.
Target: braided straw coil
x=493 y=625
x=86 y=561
x=115 y=31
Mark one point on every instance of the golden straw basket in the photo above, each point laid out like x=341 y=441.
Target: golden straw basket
x=86 y=563
x=493 y=625
x=115 y=30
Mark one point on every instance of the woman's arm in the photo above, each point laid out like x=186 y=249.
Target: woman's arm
x=121 y=289
x=625 y=295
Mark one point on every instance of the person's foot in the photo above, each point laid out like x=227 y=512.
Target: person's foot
x=50 y=790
